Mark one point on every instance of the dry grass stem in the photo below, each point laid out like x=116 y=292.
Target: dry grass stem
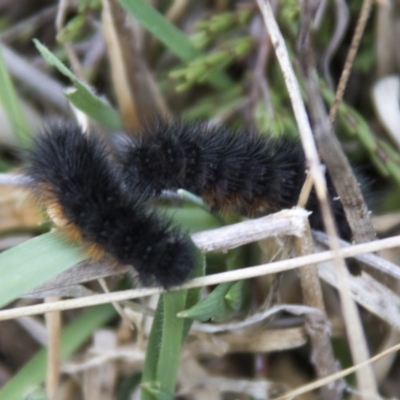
x=369 y=293
x=358 y=34
x=245 y=273
x=53 y=323
x=317 y=324
x=372 y=260
x=285 y=222
x=67 y=291
x=255 y=318
x=258 y=341
x=342 y=15
x=365 y=378
x=339 y=375
x=351 y=198
x=116 y=305
x=137 y=94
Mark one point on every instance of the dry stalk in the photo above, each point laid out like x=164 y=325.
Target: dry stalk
x=137 y=94
x=255 y=319
x=245 y=273
x=372 y=260
x=53 y=323
x=342 y=16
x=339 y=375
x=355 y=42
x=317 y=325
x=285 y=222
x=351 y=197
x=117 y=306
x=63 y=8
x=365 y=377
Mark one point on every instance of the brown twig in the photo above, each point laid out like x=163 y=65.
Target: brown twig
x=317 y=324
x=342 y=22
x=333 y=156
x=358 y=34
x=230 y=276
x=53 y=322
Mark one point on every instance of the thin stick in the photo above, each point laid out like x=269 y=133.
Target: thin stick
x=53 y=323
x=245 y=273
x=325 y=381
x=116 y=305
x=351 y=55
x=365 y=378
x=317 y=324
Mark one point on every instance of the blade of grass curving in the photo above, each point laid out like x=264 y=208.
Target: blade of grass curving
x=12 y=107
x=192 y=219
x=29 y=264
x=171 y=343
x=167 y=33
x=161 y=28
x=33 y=373
x=95 y=107
x=82 y=95
x=166 y=338
x=149 y=375
x=193 y=296
x=213 y=306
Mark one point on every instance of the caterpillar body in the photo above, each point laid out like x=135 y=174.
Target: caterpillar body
x=247 y=173
x=102 y=201
x=73 y=176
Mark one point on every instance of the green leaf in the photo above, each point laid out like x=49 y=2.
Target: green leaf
x=33 y=373
x=166 y=338
x=192 y=198
x=193 y=295
x=164 y=347
x=172 y=339
x=192 y=219
x=153 y=389
x=82 y=96
x=149 y=374
x=167 y=33
x=51 y=59
x=95 y=107
x=71 y=30
x=214 y=306
x=161 y=28
x=12 y=107
x=28 y=265
x=234 y=297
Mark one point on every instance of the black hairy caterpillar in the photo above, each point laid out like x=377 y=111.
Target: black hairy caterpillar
x=82 y=189
x=247 y=173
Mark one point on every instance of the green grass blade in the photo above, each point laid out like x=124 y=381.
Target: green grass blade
x=12 y=107
x=161 y=28
x=166 y=338
x=193 y=296
x=33 y=373
x=167 y=33
x=149 y=374
x=26 y=266
x=95 y=107
x=164 y=347
x=214 y=306
x=172 y=338
x=82 y=96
